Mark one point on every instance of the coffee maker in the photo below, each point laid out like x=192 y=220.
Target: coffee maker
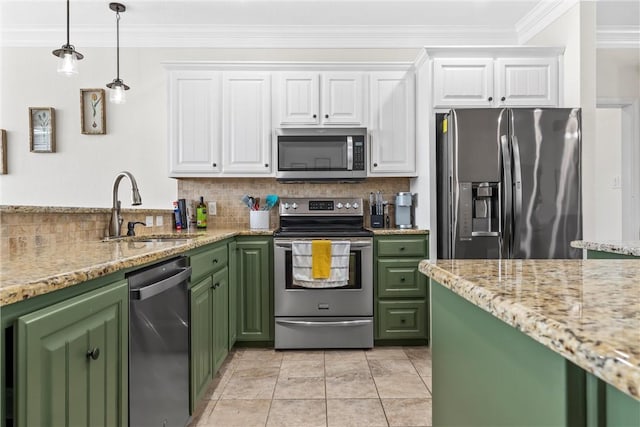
x=404 y=210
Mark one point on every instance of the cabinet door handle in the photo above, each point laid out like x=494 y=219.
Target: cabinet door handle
x=375 y=165
x=315 y=116
x=214 y=164
x=266 y=165
x=403 y=320
x=402 y=279
x=401 y=248
x=326 y=116
x=94 y=353
x=215 y=260
x=503 y=98
x=216 y=285
x=490 y=98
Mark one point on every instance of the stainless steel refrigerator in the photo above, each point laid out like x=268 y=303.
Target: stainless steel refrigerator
x=508 y=183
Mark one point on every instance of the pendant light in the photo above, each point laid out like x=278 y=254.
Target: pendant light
x=67 y=54
x=117 y=86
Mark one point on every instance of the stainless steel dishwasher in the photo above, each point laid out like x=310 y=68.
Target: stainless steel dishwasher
x=159 y=344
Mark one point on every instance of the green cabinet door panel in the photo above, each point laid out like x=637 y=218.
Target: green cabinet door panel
x=487 y=373
x=400 y=278
x=220 y=317
x=255 y=308
x=72 y=361
x=233 y=293
x=402 y=319
x=201 y=332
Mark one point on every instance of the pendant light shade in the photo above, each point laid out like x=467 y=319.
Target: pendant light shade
x=117 y=86
x=67 y=54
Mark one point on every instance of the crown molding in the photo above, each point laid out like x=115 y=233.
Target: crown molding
x=540 y=16
x=256 y=36
x=618 y=36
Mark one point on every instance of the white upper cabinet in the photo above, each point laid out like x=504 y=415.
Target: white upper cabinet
x=328 y=98
x=392 y=124
x=463 y=82
x=246 y=123
x=194 y=124
x=527 y=81
x=496 y=82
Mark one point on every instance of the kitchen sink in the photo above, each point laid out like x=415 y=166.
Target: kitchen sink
x=164 y=238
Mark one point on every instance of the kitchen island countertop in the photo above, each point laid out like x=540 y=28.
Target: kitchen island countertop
x=588 y=311
x=26 y=273
x=622 y=247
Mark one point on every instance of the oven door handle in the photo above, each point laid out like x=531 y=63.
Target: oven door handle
x=329 y=323
x=354 y=244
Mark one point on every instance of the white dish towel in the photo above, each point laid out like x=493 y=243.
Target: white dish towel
x=301 y=265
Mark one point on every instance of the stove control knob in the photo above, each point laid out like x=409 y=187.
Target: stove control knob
x=355 y=205
x=294 y=205
x=339 y=205
x=348 y=205
x=286 y=205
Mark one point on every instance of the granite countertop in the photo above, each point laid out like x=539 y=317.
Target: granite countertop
x=397 y=231
x=624 y=247
x=588 y=311
x=29 y=273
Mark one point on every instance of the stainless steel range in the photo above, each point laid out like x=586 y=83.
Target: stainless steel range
x=324 y=314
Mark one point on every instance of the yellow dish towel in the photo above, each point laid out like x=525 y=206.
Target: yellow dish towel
x=321 y=259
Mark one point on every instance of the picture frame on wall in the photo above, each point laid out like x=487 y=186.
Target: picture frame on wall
x=92 y=112
x=3 y=152
x=42 y=129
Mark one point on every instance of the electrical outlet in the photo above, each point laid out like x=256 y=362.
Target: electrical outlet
x=149 y=221
x=212 y=208
x=159 y=220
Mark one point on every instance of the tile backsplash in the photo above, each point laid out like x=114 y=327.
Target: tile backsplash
x=232 y=213
x=26 y=227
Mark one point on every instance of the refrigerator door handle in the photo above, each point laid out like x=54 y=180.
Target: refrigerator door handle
x=507 y=184
x=517 y=193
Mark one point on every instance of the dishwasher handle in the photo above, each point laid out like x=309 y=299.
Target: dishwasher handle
x=161 y=286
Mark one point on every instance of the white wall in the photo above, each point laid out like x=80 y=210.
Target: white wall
x=82 y=170
x=618 y=73
x=608 y=207
x=576 y=30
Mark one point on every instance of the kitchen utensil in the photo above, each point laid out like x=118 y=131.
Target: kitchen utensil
x=271 y=201
x=247 y=200
x=256 y=204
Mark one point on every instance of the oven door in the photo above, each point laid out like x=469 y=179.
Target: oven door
x=354 y=299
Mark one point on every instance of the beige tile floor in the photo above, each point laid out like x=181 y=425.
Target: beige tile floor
x=384 y=386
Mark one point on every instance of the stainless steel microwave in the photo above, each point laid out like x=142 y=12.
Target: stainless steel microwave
x=315 y=154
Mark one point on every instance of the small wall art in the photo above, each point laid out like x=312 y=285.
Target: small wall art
x=3 y=152
x=42 y=129
x=92 y=112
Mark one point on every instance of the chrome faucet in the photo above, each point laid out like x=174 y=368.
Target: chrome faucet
x=116 y=219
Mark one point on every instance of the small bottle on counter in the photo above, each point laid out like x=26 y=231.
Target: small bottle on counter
x=201 y=214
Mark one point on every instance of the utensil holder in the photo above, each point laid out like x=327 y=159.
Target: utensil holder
x=259 y=220
x=377 y=221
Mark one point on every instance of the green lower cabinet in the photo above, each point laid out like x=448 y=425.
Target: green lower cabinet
x=401 y=292
x=254 y=257
x=487 y=373
x=621 y=410
x=201 y=346
x=233 y=294
x=220 y=317
x=608 y=255
x=72 y=361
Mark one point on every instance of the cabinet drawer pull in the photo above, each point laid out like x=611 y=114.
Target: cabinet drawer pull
x=490 y=98
x=214 y=164
x=503 y=98
x=315 y=115
x=403 y=321
x=94 y=353
x=401 y=248
x=402 y=279
x=266 y=165
x=215 y=260
x=326 y=116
